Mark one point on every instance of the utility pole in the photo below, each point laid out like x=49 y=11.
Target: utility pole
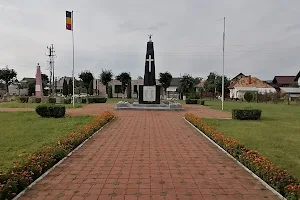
x=223 y=67
x=51 y=65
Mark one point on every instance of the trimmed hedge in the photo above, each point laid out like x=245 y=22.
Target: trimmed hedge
x=28 y=170
x=52 y=100
x=48 y=111
x=276 y=177
x=96 y=100
x=202 y=102
x=191 y=101
x=67 y=101
x=38 y=100
x=24 y=99
x=83 y=100
x=246 y=114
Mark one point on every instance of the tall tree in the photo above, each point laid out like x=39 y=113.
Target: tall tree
x=210 y=83
x=198 y=80
x=7 y=75
x=124 y=78
x=65 y=88
x=165 y=80
x=105 y=78
x=187 y=84
x=213 y=83
x=129 y=90
x=70 y=87
x=31 y=89
x=91 y=88
x=45 y=81
x=86 y=77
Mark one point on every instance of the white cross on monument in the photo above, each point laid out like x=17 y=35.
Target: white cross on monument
x=149 y=60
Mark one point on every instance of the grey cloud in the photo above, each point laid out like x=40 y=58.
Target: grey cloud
x=187 y=36
x=131 y=26
x=294 y=27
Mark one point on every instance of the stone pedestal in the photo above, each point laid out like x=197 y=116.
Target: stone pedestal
x=149 y=94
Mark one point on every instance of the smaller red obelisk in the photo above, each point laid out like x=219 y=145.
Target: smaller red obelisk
x=38 y=82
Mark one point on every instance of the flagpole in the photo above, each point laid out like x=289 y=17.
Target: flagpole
x=223 y=67
x=73 y=59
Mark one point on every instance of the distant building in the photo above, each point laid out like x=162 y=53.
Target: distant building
x=172 y=91
x=252 y=84
x=17 y=89
x=237 y=77
x=60 y=83
x=297 y=79
x=284 y=81
x=292 y=93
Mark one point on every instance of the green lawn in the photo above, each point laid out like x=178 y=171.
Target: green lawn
x=276 y=135
x=25 y=132
x=15 y=104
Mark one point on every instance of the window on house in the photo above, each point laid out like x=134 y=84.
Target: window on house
x=118 y=89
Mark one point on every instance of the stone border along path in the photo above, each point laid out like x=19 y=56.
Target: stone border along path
x=145 y=155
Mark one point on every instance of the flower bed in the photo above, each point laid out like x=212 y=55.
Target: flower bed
x=24 y=173
x=279 y=179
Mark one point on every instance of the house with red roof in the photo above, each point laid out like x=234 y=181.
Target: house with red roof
x=249 y=84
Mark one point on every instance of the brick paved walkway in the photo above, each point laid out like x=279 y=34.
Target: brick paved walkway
x=148 y=155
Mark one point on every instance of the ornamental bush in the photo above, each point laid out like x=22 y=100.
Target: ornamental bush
x=52 y=100
x=191 y=101
x=83 y=100
x=248 y=96
x=246 y=114
x=48 y=111
x=67 y=101
x=202 y=102
x=24 y=99
x=96 y=100
x=38 y=100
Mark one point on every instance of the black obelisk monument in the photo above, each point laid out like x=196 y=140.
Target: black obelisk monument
x=149 y=93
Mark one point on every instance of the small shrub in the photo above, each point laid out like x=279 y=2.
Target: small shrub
x=193 y=95
x=246 y=114
x=96 y=100
x=248 y=96
x=202 y=102
x=191 y=101
x=83 y=101
x=24 y=99
x=38 y=100
x=67 y=101
x=52 y=100
x=48 y=111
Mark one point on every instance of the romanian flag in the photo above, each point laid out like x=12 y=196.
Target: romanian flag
x=69 y=20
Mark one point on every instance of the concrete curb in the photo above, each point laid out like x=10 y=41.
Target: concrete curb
x=54 y=166
x=238 y=162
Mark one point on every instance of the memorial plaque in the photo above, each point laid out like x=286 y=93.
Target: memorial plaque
x=149 y=93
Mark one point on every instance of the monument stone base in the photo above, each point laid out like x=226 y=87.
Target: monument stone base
x=123 y=105
x=149 y=94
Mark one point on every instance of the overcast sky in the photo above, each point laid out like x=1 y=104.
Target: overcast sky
x=262 y=36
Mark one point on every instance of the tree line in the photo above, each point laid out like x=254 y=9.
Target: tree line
x=212 y=84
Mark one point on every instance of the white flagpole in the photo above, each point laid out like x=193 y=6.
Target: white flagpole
x=223 y=67
x=73 y=60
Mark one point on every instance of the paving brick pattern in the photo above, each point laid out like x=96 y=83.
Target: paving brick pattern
x=145 y=155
